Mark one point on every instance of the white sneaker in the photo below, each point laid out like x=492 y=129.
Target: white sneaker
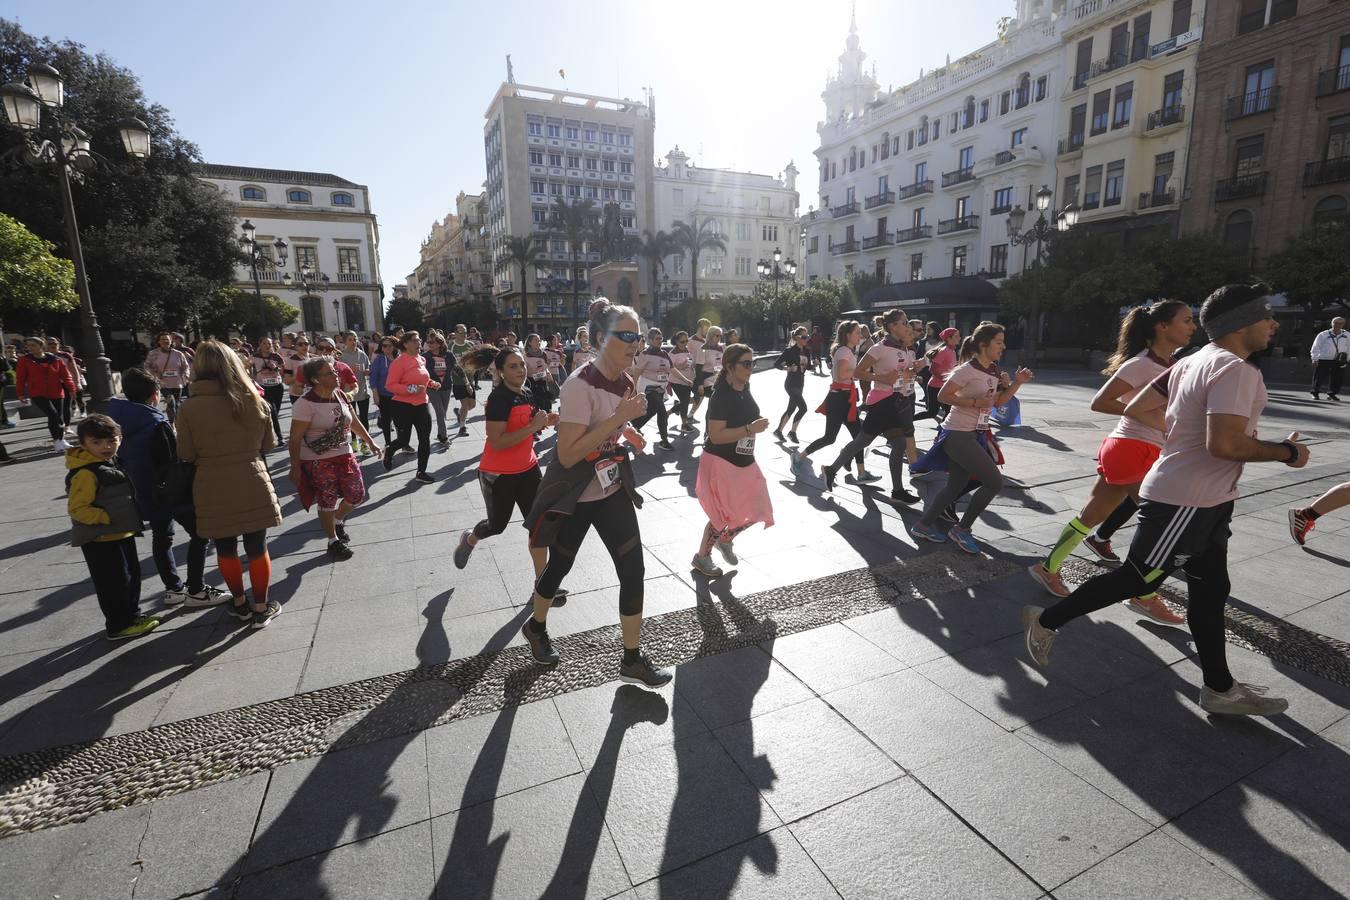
x=207 y=596
x=60 y=445
x=173 y=598
x=1242 y=700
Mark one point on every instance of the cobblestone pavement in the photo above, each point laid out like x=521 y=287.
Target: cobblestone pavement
x=851 y=715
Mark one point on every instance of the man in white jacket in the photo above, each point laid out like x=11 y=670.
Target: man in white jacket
x=1330 y=350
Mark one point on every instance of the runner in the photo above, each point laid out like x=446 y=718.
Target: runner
x=889 y=405
x=795 y=359
x=556 y=356
x=1302 y=519
x=972 y=392
x=682 y=379
x=291 y=368
x=701 y=375
x=941 y=363
x=44 y=380
x=352 y=355
x=408 y=383
x=440 y=365
x=1208 y=405
x=841 y=403
x=536 y=366
x=652 y=368
x=584 y=352
x=173 y=370
x=870 y=336
x=816 y=344
x=379 y=373
x=590 y=483
x=731 y=488
x=1148 y=338
x=461 y=385
x=711 y=360
x=508 y=471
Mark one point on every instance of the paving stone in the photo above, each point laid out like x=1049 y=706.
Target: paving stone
x=92 y=859
x=832 y=657
x=767 y=867
x=643 y=719
x=731 y=687
x=913 y=633
x=244 y=682
x=897 y=840
x=1155 y=866
x=397 y=865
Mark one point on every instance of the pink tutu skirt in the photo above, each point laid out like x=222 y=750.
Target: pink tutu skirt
x=732 y=496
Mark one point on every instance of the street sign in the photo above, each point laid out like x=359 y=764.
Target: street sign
x=1172 y=44
x=504 y=286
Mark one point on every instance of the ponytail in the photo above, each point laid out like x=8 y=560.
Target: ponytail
x=603 y=316
x=486 y=355
x=985 y=333
x=1137 y=331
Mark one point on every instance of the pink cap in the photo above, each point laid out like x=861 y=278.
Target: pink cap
x=948 y=333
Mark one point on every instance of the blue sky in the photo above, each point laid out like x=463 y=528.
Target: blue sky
x=392 y=94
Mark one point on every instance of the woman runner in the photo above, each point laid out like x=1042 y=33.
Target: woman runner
x=841 y=403
x=597 y=403
x=291 y=370
x=652 y=368
x=441 y=365
x=536 y=368
x=408 y=383
x=267 y=367
x=379 y=372
x=972 y=392
x=461 y=385
x=682 y=378
x=701 y=373
x=584 y=352
x=941 y=362
x=731 y=488
x=1149 y=336
x=173 y=369
x=796 y=360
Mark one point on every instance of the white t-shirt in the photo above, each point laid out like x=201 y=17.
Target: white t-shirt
x=695 y=346
x=582 y=403
x=845 y=360
x=889 y=361
x=1138 y=372
x=972 y=381
x=682 y=364
x=1211 y=381
x=653 y=369
x=712 y=358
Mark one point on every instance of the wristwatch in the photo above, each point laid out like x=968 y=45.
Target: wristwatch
x=1293 y=452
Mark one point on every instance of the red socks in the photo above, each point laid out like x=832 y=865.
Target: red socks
x=260 y=576
x=233 y=573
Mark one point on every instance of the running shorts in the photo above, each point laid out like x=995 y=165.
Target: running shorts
x=1125 y=460
x=462 y=391
x=895 y=412
x=1168 y=536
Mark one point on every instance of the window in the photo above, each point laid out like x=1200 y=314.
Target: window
x=354 y=313
x=743 y=265
x=874 y=153
x=955 y=122
x=885 y=146
x=1329 y=209
x=592 y=164
x=554 y=130
x=1124 y=104
x=574 y=191
x=349 y=261
x=883 y=184
x=1115 y=182
x=920 y=172
x=297 y=196
x=881 y=271
x=626 y=195
x=249 y=192
x=589 y=134
x=984 y=110
x=937 y=128
x=1071 y=189
x=1002 y=200
x=769 y=233
x=607 y=194
x=536 y=158
x=1042 y=87
x=1077 y=125
x=882 y=226
x=968 y=113
x=555 y=189
x=916 y=267
x=1139 y=41
x=539 y=216
x=962 y=207
x=998 y=259
x=1101 y=110
x=923 y=131
x=1162 y=176
x=1250 y=157
x=555 y=159
x=1255 y=14
x=909 y=139
x=572 y=132
x=536 y=128
x=1237 y=231
x=592 y=192
x=1023 y=91
x=1172 y=93
x=306 y=258
x=813 y=245
x=1004 y=103
x=959 y=260
x=895 y=145
x=966 y=158
x=558 y=246
x=1083 y=64
x=918 y=217
x=625 y=168
x=1181 y=17
x=573 y=162
x=606 y=137
x=1338 y=138
x=625 y=140
x=607 y=165
x=742 y=231
x=677 y=264
x=714 y=265
x=1018 y=137
x=1092 y=188
x=536 y=187
x=850 y=197
x=1258 y=88
x=311 y=312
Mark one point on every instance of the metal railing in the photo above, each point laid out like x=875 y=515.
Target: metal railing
x=1003 y=157
x=917 y=233
x=1240 y=187
x=1333 y=81
x=1151 y=199
x=1326 y=171
x=1161 y=118
x=1109 y=63
x=349 y=278
x=881 y=199
x=847 y=209
x=844 y=247
x=1071 y=144
x=1253 y=102
x=915 y=189
x=960 y=223
x=958 y=176
x=879 y=240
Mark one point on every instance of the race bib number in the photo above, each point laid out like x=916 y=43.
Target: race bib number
x=662 y=377
x=269 y=379
x=982 y=420
x=440 y=366
x=746 y=445
x=170 y=373
x=607 y=473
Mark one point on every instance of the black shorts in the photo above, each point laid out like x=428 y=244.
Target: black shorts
x=1170 y=536
x=462 y=391
x=891 y=413
x=702 y=378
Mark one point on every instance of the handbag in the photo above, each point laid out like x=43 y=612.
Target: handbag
x=173 y=485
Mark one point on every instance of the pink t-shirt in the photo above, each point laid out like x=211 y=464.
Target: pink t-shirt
x=972 y=381
x=682 y=368
x=588 y=399
x=321 y=417
x=1138 y=372
x=1212 y=381
x=943 y=362
x=292 y=366
x=652 y=368
x=845 y=360
x=890 y=361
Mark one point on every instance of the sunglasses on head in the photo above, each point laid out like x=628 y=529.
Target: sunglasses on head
x=627 y=337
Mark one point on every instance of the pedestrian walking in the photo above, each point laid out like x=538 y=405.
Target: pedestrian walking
x=44 y=380
x=1329 y=352
x=171 y=366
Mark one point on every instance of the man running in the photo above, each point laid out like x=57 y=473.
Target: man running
x=1213 y=400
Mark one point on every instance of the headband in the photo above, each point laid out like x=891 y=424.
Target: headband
x=1255 y=310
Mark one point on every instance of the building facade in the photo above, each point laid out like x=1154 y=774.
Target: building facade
x=754 y=215
x=1272 y=122
x=542 y=145
x=330 y=229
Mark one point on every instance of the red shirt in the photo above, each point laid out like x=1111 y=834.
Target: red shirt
x=516 y=410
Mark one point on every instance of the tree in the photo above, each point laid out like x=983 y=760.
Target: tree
x=236 y=309
x=1192 y=266
x=158 y=242
x=32 y=278
x=406 y=312
x=1313 y=271
x=614 y=242
x=655 y=248
x=525 y=252
x=575 y=223
x=695 y=238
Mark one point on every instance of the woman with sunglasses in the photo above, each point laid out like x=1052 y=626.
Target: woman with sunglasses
x=651 y=368
x=291 y=371
x=795 y=359
x=440 y=364
x=408 y=383
x=597 y=404
x=731 y=488
x=841 y=403
x=682 y=379
x=379 y=373
x=267 y=368
x=536 y=368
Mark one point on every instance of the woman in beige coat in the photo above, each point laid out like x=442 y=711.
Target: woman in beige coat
x=224 y=428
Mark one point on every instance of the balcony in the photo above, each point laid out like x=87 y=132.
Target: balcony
x=350 y=278
x=1163 y=118
x=959 y=176
x=960 y=223
x=1333 y=81
x=1001 y=272
x=1071 y=144
x=1110 y=63
x=1000 y=210
x=880 y=240
x=915 y=189
x=1003 y=157
x=1253 y=103
x=268 y=275
x=848 y=209
x=1152 y=200
x=1240 y=187
x=917 y=233
x=1326 y=171
x=845 y=247
x=1080 y=80
x=885 y=198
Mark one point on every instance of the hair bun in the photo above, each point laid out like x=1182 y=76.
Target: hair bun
x=599 y=306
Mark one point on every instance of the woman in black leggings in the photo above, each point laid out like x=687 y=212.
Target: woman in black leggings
x=841 y=403
x=682 y=379
x=796 y=360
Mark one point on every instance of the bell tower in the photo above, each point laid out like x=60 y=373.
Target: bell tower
x=848 y=92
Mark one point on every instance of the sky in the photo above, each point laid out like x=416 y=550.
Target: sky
x=392 y=94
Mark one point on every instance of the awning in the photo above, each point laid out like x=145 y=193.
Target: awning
x=956 y=292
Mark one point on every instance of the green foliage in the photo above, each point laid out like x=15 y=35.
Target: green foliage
x=694 y=238
x=469 y=313
x=761 y=320
x=407 y=312
x=1313 y=269
x=31 y=276
x=236 y=309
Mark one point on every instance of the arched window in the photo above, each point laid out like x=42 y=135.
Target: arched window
x=311 y=313
x=252 y=192
x=1237 y=231
x=295 y=195
x=353 y=313
x=1328 y=209
x=342 y=198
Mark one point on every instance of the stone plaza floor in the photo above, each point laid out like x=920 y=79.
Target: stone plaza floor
x=851 y=716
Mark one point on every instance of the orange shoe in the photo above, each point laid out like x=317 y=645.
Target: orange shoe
x=1154 y=609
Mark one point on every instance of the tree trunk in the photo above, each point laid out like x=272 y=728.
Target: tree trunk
x=524 y=305
x=693 y=274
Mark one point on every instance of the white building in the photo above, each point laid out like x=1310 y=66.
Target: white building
x=754 y=215
x=328 y=224
x=916 y=183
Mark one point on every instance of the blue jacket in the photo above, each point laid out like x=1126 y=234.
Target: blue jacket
x=379 y=371
x=147 y=444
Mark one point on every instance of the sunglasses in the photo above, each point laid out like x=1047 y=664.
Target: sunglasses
x=628 y=337
x=302 y=343
x=748 y=363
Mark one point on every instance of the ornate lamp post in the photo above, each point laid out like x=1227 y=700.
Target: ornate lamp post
x=1038 y=233
x=776 y=271
x=308 y=282
x=67 y=153
x=258 y=258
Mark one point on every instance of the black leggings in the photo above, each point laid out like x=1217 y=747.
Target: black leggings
x=502 y=493
x=382 y=419
x=273 y=393
x=255 y=545
x=615 y=521
x=173 y=398
x=836 y=415
x=1119 y=516
x=796 y=403
x=408 y=417
x=683 y=393
x=363 y=412
x=932 y=408
x=656 y=406
x=52 y=409
x=542 y=389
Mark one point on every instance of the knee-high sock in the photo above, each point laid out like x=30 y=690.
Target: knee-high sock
x=1119 y=516
x=259 y=576
x=1069 y=538
x=897 y=466
x=233 y=573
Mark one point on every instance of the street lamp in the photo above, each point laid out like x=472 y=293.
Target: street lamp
x=69 y=156
x=776 y=270
x=1039 y=232
x=337 y=314
x=257 y=257
x=308 y=282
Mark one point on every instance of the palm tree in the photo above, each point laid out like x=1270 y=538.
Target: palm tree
x=695 y=239
x=523 y=252
x=574 y=222
x=655 y=248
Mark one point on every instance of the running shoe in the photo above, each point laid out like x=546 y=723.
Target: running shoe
x=1039 y=639
x=928 y=533
x=949 y=514
x=868 y=478
x=541 y=648
x=902 y=496
x=641 y=671
x=728 y=553
x=1299 y=526
x=207 y=596
x=60 y=446
x=1155 y=610
x=143 y=625
x=1315 y=395
x=8 y=424
x=778 y=433
x=828 y=472
x=442 y=438
x=1333 y=397
x=1048 y=580
x=705 y=566
x=1101 y=548
x=174 y=596
x=264 y=618
x=792 y=436
x=798 y=464
x=964 y=539
x=424 y=478
x=1241 y=700
x=341 y=530
x=239 y=609
x=389 y=452
x=686 y=428
x=665 y=445
x=464 y=431
x=463 y=550
x=339 y=550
